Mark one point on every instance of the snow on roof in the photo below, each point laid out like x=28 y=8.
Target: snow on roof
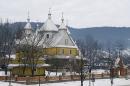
x=14 y=65
x=28 y=26
x=68 y=31
x=66 y=46
x=57 y=41
x=62 y=26
x=49 y=26
x=43 y=65
x=38 y=65
x=117 y=62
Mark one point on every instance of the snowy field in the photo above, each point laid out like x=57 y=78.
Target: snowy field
x=99 y=82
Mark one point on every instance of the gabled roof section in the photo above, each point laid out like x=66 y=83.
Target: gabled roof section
x=62 y=39
x=62 y=26
x=49 y=25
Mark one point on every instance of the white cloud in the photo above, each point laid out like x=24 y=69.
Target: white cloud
x=79 y=13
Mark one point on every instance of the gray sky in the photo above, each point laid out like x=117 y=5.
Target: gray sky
x=78 y=13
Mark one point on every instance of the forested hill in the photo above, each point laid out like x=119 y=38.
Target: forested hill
x=103 y=34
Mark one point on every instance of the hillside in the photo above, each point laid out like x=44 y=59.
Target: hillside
x=103 y=34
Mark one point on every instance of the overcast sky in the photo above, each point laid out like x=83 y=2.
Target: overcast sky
x=78 y=13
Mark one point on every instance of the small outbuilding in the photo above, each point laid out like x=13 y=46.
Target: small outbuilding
x=119 y=69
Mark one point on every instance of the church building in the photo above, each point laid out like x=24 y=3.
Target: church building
x=37 y=49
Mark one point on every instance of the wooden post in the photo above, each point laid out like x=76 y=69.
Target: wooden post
x=102 y=75
x=71 y=77
x=27 y=80
x=16 y=76
x=46 y=78
x=60 y=77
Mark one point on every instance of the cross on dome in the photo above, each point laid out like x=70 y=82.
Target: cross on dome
x=62 y=18
x=28 y=25
x=28 y=19
x=49 y=14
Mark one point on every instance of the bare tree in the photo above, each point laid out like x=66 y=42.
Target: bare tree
x=30 y=49
x=6 y=44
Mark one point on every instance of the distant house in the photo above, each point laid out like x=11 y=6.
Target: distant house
x=102 y=63
x=119 y=69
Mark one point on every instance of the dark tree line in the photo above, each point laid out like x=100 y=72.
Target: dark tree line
x=7 y=42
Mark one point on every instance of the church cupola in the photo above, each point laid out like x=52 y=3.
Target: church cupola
x=49 y=26
x=62 y=26
x=28 y=27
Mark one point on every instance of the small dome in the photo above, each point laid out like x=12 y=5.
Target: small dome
x=62 y=26
x=49 y=25
x=28 y=26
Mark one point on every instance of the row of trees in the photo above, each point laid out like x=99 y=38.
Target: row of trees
x=12 y=41
x=7 y=41
x=99 y=55
x=94 y=51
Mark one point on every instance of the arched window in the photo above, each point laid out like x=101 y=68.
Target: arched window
x=47 y=36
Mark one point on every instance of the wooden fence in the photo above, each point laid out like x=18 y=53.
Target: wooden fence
x=44 y=79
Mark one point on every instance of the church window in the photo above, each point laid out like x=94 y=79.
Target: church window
x=47 y=36
x=62 y=51
x=70 y=52
x=66 y=41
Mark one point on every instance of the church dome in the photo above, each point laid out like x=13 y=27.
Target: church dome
x=49 y=25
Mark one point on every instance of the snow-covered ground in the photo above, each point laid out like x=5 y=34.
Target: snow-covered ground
x=2 y=73
x=99 y=82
